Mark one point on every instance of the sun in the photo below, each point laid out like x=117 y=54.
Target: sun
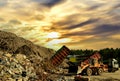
x=53 y=35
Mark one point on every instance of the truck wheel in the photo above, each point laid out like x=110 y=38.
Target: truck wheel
x=100 y=71
x=89 y=72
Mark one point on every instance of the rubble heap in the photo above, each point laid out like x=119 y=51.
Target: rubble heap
x=21 y=60
x=11 y=43
x=16 y=67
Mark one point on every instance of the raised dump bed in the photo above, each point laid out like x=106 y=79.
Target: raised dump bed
x=59 y=56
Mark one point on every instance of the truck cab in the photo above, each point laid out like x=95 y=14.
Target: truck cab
x=113 y=65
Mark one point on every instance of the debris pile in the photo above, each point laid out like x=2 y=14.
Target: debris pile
x=16 y=67
x=21 y=60
x=11 y=43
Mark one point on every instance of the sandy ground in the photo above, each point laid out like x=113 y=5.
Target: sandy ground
x=104 y=77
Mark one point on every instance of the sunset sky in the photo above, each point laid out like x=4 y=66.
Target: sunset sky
x=78 y=24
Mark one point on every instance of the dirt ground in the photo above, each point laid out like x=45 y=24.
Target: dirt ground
x=107 y=77
x=104 y=77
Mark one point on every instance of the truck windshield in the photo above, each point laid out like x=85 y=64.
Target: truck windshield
x=116 y=62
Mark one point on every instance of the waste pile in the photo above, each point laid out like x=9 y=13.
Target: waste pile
x=11 y=43
x=21 y=60
x=16 y=67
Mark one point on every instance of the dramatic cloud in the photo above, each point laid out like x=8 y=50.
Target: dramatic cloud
x=92 y=24
x=106 y=29
x=1 y=19
x=49 y=3
x=14 y=22
x=3 y=3
x=94 y=7
x=102 y=30
x=91 y=21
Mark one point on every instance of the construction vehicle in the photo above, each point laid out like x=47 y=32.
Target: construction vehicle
x=85 y=65
x=113 y=65
x=92 y=65
x=88 y=65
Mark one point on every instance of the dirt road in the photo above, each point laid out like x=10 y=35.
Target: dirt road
x=106 y=77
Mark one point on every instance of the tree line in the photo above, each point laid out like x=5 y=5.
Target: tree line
x=105 y=53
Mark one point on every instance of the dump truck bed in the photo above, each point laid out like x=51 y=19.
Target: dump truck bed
x=59 y=56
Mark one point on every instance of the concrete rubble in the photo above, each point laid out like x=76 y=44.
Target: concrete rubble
x=16 y=68
x=19 y=67
x=21 y=60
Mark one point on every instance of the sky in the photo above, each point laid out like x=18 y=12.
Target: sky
x=78 y=24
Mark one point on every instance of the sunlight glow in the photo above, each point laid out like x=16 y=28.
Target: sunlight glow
x=53 y=35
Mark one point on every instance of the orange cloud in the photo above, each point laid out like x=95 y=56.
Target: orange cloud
x=78 y=23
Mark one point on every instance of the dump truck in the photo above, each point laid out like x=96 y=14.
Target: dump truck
x=92 y=64
x=89 y=65
x=113 y=65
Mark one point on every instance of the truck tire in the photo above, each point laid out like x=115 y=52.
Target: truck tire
x=109 y=70
x=89 y=71
x=99 y=71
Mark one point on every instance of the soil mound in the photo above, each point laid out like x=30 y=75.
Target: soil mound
x=20 y=59
x=11 y=43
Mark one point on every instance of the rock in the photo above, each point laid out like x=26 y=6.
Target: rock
x=21 y=60
x=15 y=67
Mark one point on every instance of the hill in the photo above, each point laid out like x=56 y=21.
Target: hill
x=20 y=59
